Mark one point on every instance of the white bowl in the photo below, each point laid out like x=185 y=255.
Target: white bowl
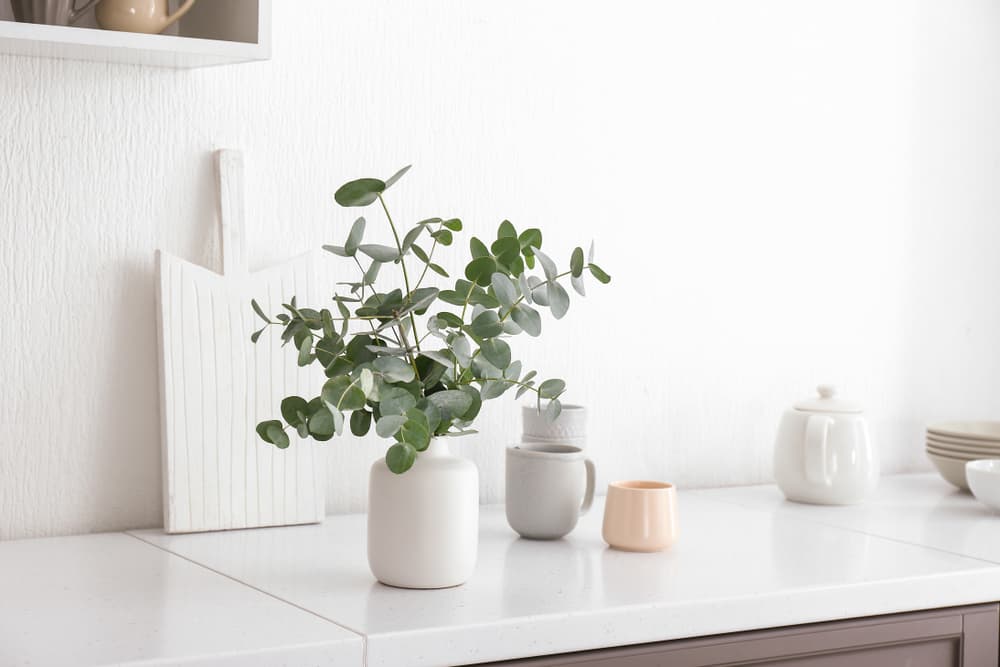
x=984 y=481
x=953 y=470
x=989 y=431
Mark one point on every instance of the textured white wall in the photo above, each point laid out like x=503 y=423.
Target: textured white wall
x=786 y=192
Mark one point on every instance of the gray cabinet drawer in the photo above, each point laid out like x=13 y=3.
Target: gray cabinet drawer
x=959 y=637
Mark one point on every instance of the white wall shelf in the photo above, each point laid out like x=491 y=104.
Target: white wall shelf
x=214 y=32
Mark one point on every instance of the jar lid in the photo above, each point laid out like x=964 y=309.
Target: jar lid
x=827 y=402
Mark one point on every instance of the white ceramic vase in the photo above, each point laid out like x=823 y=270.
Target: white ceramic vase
x=423 y=525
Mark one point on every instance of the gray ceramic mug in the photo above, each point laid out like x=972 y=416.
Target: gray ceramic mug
x=50 y=12
x=549 y=487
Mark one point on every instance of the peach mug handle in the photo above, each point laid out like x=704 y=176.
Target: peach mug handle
x=76 y=12
x=588 y=495
x=181 y=11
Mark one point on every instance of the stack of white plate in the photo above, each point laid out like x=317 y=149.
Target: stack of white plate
x=950 y=445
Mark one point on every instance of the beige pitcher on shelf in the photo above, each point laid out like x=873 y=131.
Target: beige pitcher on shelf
x=149 y=16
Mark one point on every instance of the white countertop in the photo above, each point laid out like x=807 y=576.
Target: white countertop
x=746 y=559
x=111 y=599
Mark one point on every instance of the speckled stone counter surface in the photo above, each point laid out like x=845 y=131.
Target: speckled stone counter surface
x=746 y=559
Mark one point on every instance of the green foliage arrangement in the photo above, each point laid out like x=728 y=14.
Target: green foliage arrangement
x=414 y=387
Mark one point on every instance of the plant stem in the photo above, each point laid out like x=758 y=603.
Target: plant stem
x=374 y=293
x=508 y=381
x=406 y=276
x=429 y=258
x=468 y=296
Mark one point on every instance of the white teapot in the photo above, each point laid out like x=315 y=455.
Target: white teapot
x=823 y=453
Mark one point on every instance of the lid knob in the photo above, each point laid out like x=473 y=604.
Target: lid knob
x=826 y=391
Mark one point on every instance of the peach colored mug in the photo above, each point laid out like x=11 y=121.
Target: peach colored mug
x=640 y=516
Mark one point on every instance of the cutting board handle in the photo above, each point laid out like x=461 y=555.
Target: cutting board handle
x=232 y=211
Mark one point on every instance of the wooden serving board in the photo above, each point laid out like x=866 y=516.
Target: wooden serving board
x=216 y=385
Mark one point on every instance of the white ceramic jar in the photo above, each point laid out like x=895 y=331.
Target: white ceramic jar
x=423 y=525
x=823 y=453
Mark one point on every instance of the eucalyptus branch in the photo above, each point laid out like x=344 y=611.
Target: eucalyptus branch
x=468 y=296
x=508 y=381
x=430 y=257
x=521 y=298
x=373 y=376
x=402 y=263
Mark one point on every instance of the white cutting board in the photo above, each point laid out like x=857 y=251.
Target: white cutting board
x=215 y=385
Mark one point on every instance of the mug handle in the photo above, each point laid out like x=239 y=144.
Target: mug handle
x=588 y=495
x=181 y=11
x=77 y=12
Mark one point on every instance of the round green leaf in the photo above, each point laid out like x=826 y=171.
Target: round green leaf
x=328 y=348
x=552 y=410
x=497 y=352
x=599 y=273
x=264 y=427
x=395 y=401
x=260 y=312
x=321 y=423
x=395 y=177
x=454 y=224
x=548 y=266
x=506 y=229
x=522 y=283
x=528 y=319
x=354 y=238
x=530 y=238
x=361 y=421
x=486 y=324
x=494 y=388
x=305 y=351
x=291 y=407
x=506 y=249
x=478 y=248
x=576 y=262
x=394 y=369
x=452 y=403
x=277 y=435
x=551 y=388
x=400 y=457
x=380 y=253
x=475 y=403
x=480 y=270
x=336 y=250
x=451 y=319
x=504 y=289
x=558 y=300
x=419 y=252
x=343 y=393
x=361 y=192
x=431 y=412
x=442 y=236
x=416 y=430
x=411 y=236
x=538 y=293
x=388 y=425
